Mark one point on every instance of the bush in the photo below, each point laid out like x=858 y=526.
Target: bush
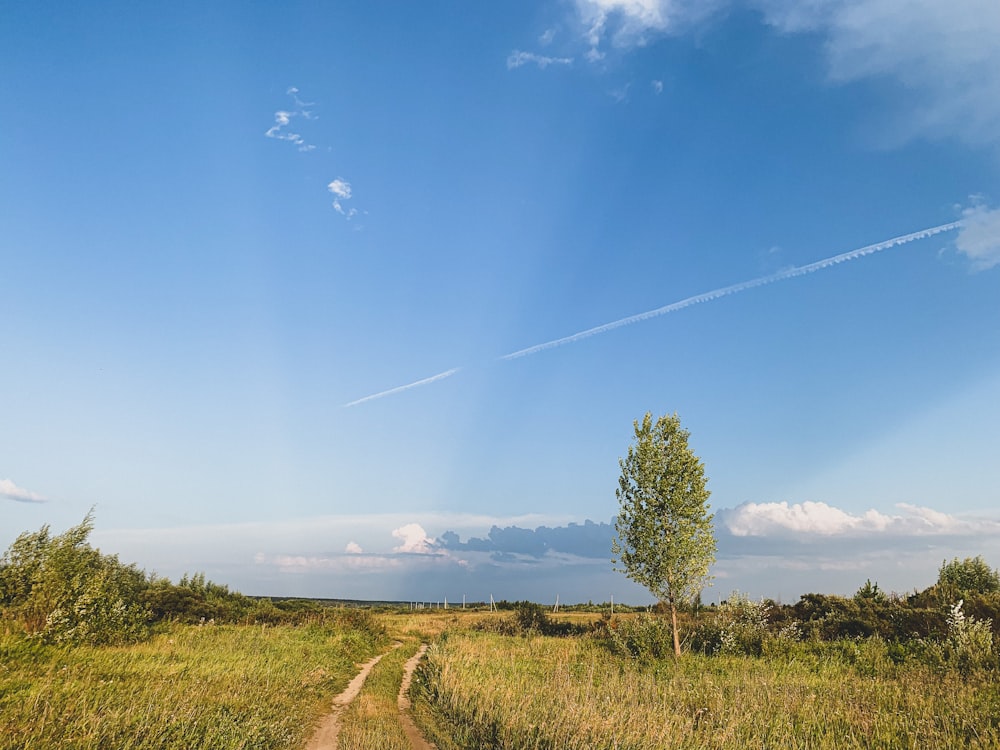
x=644 y=636
x=970 y=641
x=969 y=576
x=62 y=590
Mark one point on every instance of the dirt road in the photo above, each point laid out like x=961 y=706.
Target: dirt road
x=325 y=737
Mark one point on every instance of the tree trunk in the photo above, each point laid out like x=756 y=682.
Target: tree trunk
x=673 y=623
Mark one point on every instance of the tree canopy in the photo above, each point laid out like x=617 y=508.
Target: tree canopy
x=665 y=539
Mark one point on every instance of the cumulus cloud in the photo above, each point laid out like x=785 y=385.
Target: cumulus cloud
x=353 y=548
x=657 y=86
x=413 y=540
x=11 y=491
x=979 y=238
x=517 y=58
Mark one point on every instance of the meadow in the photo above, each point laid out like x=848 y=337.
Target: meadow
x=489 y=680
x=188 y=686
x=483 y=689
x=96 y=655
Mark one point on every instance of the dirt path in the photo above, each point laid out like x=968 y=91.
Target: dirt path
x=412 y=733
x=325 y=737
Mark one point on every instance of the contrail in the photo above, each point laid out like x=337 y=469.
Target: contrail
x=408 y=386
x=735 y=288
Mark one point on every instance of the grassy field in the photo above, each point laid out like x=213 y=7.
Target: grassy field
x=224 y=687
x=479 y=690
x=216 y=687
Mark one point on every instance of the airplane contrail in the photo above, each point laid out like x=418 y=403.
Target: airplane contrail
x=725 y=291
x=408 y=386
x=734 y=288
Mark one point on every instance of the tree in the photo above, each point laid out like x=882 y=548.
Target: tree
x=971 y=575
x=665 y=540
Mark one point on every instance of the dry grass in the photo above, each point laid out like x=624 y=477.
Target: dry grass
x=210 y=687
x=511 y=692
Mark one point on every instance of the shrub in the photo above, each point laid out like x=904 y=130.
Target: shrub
x=62 y=590
x=970 y=641
x=971 y=575
x=743 y=625
x=643 y=636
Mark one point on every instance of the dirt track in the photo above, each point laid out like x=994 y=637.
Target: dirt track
x=325 y=737
x=412 y=733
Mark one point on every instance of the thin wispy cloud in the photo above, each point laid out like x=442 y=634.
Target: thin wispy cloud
x=736 y=288
x=517 y=58
x=632 y=23
x=11 y=491
x=943 y=57
x=342 y=191
x=408 y=386
x=283 y=119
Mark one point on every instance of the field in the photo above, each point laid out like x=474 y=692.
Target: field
x=248 y=686
x=489 y=690
x=217 y=687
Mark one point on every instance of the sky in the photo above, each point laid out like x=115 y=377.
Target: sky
x=361 y=300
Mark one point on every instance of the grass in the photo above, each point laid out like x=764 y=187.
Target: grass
x=219 y=687
x=488 y=690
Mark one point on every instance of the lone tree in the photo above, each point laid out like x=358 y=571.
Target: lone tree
x=665 y=540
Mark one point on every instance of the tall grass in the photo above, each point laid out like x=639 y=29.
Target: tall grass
x=496 y=691
x=218 y=687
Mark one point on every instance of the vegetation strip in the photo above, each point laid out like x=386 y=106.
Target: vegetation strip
x=325 y=737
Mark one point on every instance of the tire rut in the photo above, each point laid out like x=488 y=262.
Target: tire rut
x=417 y=739
x=325 y=736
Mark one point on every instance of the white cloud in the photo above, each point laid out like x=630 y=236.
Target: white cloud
x=630 y=23
x=517 y=58
x=817 y=519
x=341 y=188
x=547 y=36
x=353 y=548
x=657 y=86
x=979 y=237
x=413 y=540
x=944 y=56
x=11 y=491
x=283 y=118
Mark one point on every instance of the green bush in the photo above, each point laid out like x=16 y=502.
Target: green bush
x=644 y=636
x=61 y=590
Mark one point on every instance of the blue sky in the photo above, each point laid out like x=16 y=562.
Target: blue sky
x=261 y=268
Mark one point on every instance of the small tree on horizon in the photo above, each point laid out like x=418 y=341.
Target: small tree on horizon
x=664 y=540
